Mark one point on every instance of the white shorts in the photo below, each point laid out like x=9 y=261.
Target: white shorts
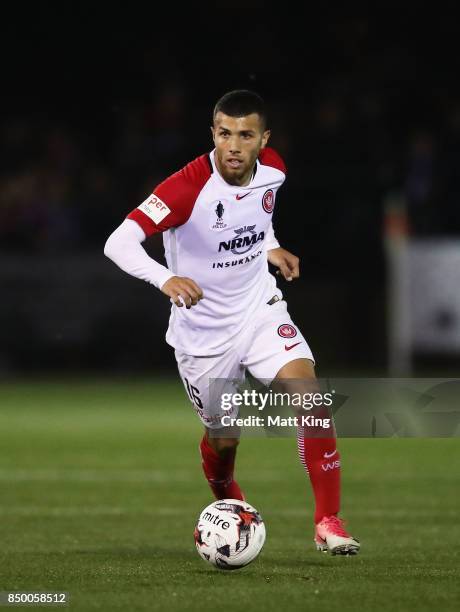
x=269 y=343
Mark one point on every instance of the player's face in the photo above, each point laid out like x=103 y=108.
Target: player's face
x=238 y=142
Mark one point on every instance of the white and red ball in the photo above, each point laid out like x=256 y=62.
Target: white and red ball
x=229 y=534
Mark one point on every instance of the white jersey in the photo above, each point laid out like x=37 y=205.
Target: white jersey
x=218 y=235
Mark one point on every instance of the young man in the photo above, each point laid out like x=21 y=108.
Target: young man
x=228 y=314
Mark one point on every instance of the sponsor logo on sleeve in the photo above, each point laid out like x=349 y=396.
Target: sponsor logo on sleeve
x=154 y=208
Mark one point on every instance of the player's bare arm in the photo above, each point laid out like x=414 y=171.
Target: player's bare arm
x=287 y=262
x=178 y=287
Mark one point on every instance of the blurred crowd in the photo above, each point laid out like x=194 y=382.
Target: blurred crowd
x=97 y=111
x=63 y=189
x=350 y=137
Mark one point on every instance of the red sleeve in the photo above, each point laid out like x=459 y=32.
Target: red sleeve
x=269 y=157
x=172 y=201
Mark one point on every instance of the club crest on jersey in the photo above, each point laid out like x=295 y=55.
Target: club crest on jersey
x=287 y=331
x=246 y=238
x=219 y=215
x=268 y=201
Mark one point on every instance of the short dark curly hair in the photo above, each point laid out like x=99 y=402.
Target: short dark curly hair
x=239 y=103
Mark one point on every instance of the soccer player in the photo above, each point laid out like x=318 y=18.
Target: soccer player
x=228 y=314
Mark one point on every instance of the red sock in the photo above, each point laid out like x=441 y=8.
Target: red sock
x=321 y=459
x=219 y=471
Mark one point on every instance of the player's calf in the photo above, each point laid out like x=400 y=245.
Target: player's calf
x=218 y=461
x=222 y=446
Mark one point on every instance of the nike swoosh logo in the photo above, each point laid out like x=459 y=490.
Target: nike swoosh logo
x=288 y=348
x=329 y=455
x=240 y=197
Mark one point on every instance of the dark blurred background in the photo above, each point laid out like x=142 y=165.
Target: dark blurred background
x=100 y=103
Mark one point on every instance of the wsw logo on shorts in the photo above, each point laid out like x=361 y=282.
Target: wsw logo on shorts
x=246 y=238
x=287 y=331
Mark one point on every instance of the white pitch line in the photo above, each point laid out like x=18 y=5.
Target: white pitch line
x=51 y=475
x=154 y=476
x=70 y=511
x=128 y=475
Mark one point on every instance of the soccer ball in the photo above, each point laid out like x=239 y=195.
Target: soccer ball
x=229 y=534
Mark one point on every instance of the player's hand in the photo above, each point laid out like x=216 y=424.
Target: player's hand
x=287 y=263
x=182 y=291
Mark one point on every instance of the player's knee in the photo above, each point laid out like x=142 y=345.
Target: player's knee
x=304 y=394
x=291 y=386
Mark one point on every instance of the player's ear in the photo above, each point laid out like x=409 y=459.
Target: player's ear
x=265 y=137
x=213 y=131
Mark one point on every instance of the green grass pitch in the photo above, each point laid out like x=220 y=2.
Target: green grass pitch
x=101 y=485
